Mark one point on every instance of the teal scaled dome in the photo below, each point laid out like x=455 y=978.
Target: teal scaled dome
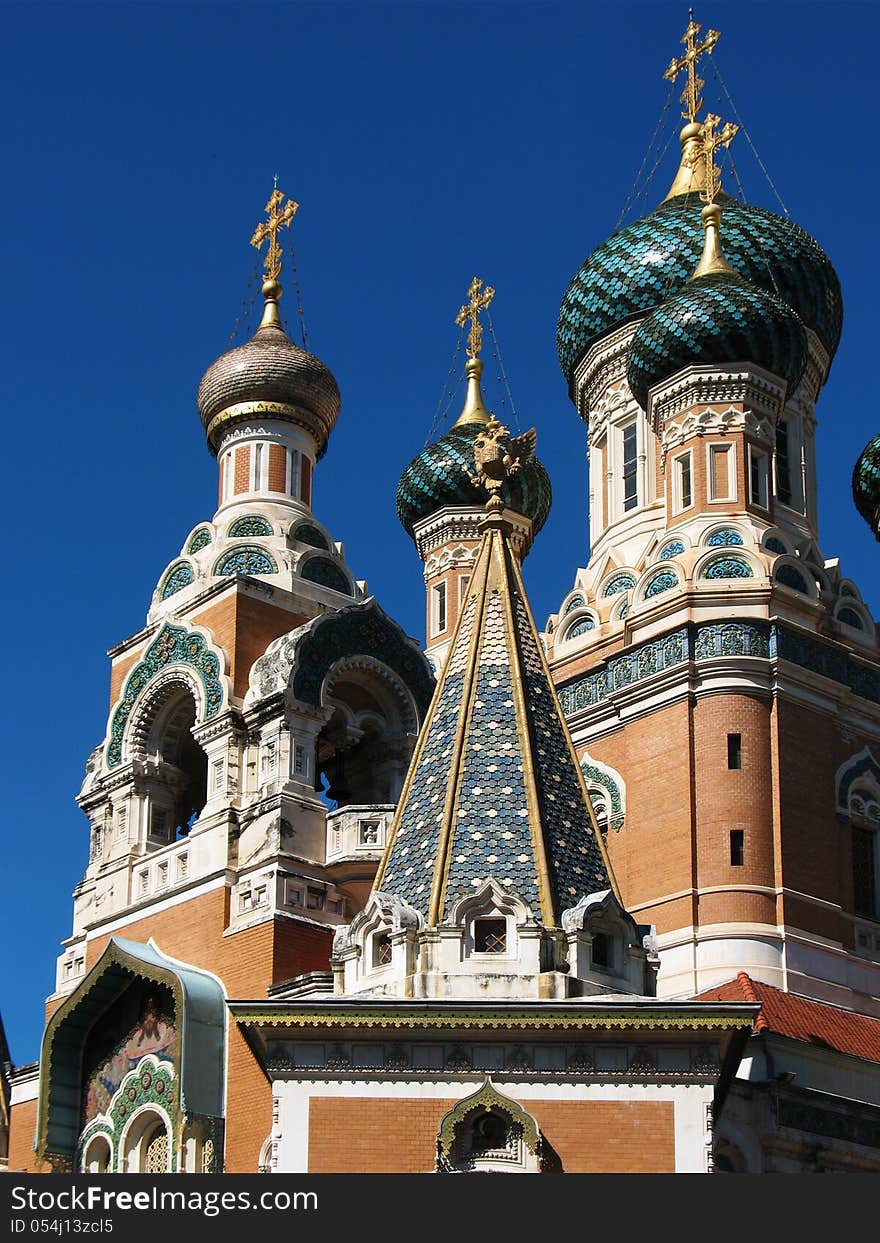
x=438 y=477
x=640 y=265
x=866 y=485
x=716 y=319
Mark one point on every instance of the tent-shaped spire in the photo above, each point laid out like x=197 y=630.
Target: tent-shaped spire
x=494 y=789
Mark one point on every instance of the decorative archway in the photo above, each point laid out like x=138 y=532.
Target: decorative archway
x=488 y=1132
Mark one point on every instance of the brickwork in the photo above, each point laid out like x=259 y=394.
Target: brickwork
x=243 y=627
x=399 y=1136
x=277 y=468
x=22 y=1128
x=121 y=668
x=305 y=481
x=241 y=480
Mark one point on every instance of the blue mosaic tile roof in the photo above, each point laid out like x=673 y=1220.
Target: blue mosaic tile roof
x=438 y=477
x=866 y=484
x=716 y=319
x=646 y=261
x=489 y=828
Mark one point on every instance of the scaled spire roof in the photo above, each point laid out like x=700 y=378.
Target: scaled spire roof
x=494 y=789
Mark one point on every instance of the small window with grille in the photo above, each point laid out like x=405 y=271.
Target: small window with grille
x=381 y=949
x=490 y=936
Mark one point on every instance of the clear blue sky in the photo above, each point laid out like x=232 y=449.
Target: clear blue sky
x=425 y=143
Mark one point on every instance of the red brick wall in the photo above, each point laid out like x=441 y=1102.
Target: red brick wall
x=399 y=1136
x=242 y=477
x=277 y=468
x=22 y=1127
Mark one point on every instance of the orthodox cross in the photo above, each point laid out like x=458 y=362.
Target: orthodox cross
x=710 y=142
x=691 y=96
x=278 y=217
x=479 y=297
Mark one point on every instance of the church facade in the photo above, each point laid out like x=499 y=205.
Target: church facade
x=617 y=876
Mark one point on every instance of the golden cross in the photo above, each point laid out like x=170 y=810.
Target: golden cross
x=710 y=142
x=691 y=96
x=477 y=301
x=269 y=228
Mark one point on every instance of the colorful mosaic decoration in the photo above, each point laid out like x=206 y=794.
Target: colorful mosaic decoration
x=790 y=577
x=576 y=602
x=178 y=577
x=673 y=549
x=728 y=567
x=359 y=630
x=717 y=319
x=620 y=582
x=441 y=475
x=173 y=645
x=648 y=260
x=308 y=534
x=321 y=570
x=249 y=526
x=246 y=561
x=866 y=484
x=691 y=643
x=582 y=627
x=201 y=539
x=489 y=832
x=610 y=793
x=726 y=537
x=664 y=581
x=153 y=1032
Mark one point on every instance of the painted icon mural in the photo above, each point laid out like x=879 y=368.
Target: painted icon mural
x=141 y=1022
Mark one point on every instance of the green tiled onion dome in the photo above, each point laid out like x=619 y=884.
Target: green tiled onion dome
x=640 y=265
x=719 y=318
x=866 y=485
x=438 y=477
x=269 y=377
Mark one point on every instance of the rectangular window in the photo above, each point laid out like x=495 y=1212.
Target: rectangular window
x=121 y=821
x=734 y=750
x=294 y=895
x=463 y=586
x=258 y=468
x=682 y=486
x=159 y=823
x=490 y=936
x=217 y=774
x=783 y=464
x=438 y=608
x=305 y=481
x=758 y=478
x=270 y=760
x=293 y=472
x=630 y=467
x=865 y=895
x=315 y=900
x=721 y=485
x=737 y=847
x=299 y=759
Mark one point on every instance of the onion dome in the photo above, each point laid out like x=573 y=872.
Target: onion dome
x=441 y=474
x=717 y=318
x=643 y=263
x=866 y=485
x=271 y=377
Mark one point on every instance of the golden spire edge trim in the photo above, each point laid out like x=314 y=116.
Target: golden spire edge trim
x=279 y=218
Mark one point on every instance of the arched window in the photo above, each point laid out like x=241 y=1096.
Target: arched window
x=323 y=571
x=864 y=814
x=155 y=1150
x=96 y=1158
x=180 y=788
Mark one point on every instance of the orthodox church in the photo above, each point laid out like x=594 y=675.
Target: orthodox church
x=615 y=875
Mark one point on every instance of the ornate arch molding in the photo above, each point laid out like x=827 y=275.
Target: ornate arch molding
x=397 y=689
x=610 y=785
x=188 y=654
x=197 y=1080
x=302 y=659
x=861 y=767
x=487 y=1099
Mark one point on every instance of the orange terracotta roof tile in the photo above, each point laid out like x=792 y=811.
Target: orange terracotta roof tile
x=798 y=1018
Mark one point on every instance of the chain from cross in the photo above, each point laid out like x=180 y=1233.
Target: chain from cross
x=692 y=96
x=710 y=142
x=269 y=228
x=477 y=301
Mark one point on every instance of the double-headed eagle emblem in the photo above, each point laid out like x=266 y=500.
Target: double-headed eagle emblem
x=497 y=456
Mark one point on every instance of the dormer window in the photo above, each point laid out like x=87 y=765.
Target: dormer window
x=490 y=936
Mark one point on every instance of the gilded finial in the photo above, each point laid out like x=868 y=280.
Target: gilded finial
x=712 y=259
x=692 y=95
x=497 y=457
x=279 y=217
x=479 y=297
